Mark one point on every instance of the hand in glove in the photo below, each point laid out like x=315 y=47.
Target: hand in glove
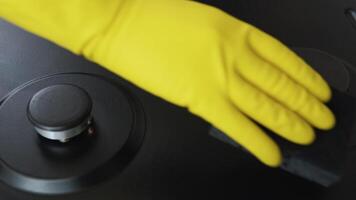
x=192 y=55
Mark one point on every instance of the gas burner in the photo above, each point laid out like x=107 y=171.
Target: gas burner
x=49 y=145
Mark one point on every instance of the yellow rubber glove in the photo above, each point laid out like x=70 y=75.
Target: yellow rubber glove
x=192 y=55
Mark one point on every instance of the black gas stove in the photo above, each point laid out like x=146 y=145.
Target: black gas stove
x=116 y=141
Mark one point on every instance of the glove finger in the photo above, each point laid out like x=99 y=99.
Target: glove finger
x=289 y=93
x=269 y=112
x=287 y=61
x=225 y=116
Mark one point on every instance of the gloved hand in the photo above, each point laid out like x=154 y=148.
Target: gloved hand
x=192 y=55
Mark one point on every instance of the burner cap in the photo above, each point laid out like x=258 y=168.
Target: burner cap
x=60 y=112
